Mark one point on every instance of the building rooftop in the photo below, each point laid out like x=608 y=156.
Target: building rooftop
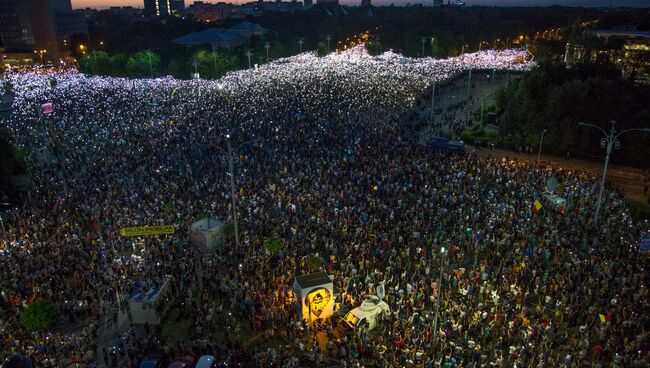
x=313 y=279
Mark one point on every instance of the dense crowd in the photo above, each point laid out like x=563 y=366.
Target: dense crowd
x=326 y=160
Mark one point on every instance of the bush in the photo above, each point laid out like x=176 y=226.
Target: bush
x=638 y=210
x=229 y=230
x=273 y=245
x=314 y=263
x=39 y=315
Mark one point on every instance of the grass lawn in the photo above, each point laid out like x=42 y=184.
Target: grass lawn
x=176 y=329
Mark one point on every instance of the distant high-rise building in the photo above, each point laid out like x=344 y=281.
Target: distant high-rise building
x=163 y=8
x=178 y=7
x=30 y=25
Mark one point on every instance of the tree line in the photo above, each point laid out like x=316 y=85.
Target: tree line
x=556 y=97
x=124 y=46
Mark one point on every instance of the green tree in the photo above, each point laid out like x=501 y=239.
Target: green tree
x=143 y=64
x=229 y=230
x=273 y=245
x=39 y=315
x=314 y=263
x=179 y=67
x=322 y=49
x=435 y=47
x=98 y=63
x=12 y=162
x=374 y=47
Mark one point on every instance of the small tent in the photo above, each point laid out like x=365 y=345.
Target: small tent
x=207 y=234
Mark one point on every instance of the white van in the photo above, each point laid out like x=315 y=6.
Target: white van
x=554 y=202
x=371 y=311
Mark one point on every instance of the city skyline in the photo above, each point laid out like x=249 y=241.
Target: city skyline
x=587 y=3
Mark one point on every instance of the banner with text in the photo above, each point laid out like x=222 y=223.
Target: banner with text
x=147 y=230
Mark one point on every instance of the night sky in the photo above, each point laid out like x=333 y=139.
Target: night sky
x=599 y=3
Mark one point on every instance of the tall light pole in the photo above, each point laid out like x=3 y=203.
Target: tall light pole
x=469 y=83
x=214 y=57
x=328 y=38
x=610 y=140
x=300 y=42
x=539 y=152
x=267 y=46
x=149 y=57
x=249 y=53
x=232 y=190
x=2 y=224
x=424 y=40
x=439 y=296
x=40 y=53
x=433 y=98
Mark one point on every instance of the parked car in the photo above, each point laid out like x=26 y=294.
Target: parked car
x=151 y=363
x=182 y=362
x=206 y=361
x=444 y=144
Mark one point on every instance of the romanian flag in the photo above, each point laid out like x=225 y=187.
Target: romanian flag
x=537 y=205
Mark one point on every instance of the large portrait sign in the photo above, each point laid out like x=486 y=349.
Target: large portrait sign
x=316 y=292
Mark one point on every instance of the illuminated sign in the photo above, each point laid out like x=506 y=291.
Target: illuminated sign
x=317 y=300
x=147 y=230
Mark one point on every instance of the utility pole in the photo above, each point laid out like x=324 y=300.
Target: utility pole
x=149 y=57
x=469 y=84
x=232 y=190
x=248 y=53
x=214 y=57
x=433 y=99
x=539 y=152
x=610 y=140
x=439 y=296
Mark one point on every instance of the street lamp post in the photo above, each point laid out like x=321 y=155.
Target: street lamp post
x=469 y=84
x=423 y=41
x=40 y=54
x=328 y=38
x=232 y=190
x=300 y=42
x=2 y=224
x=248 y=53
x=267 y=46
x=610 y=140
x=433 y=99
x=214 y=57
x=438 y=297
x=539 y=152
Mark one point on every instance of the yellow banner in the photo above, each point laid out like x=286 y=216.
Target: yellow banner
x=147 y=230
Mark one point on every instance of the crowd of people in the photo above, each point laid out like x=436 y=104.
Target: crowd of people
x=326 y=161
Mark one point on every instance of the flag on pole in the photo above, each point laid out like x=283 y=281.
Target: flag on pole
x=537 y=205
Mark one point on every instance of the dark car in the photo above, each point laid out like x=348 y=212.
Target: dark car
x=184 y=362
x=151 y=363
